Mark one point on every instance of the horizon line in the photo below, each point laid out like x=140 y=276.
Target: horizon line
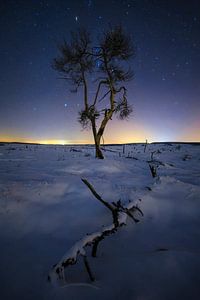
x=92 y=144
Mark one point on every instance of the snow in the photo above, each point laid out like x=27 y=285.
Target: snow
x=47 y=214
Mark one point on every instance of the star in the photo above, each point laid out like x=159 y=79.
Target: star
x=89 y=3
x=76 y=18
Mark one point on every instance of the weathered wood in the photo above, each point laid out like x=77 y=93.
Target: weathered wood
x=108 y=205
x=87 y=266
x=152 y=153
x=127 y=211
x=153 y=170
x=95 y=246
x=100 y=238
x=119 y=214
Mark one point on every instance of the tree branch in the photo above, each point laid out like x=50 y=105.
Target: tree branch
x=109 y=206
x=98 y=90
x=120 y=89
x=57 y=274
x=104 y=96
x=85 y=91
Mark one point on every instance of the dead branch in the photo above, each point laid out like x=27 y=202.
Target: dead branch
x=87 y=266
x=120 y=214
x=152 y=153
x=102 y=82
x=153 y=170
x=104 y=96
x=109 y=206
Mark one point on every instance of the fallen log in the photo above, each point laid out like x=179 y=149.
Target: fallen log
x=120 y=214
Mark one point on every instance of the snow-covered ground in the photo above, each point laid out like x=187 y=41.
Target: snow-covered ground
x=45 y=209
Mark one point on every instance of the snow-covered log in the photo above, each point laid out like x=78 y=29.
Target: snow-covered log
x=57 y=275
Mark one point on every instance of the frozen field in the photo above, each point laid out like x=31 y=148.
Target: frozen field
x=45 y=209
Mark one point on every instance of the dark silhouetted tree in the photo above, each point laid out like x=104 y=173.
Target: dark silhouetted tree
x=79 y=61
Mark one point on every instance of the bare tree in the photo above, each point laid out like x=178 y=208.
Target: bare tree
x=79 y=60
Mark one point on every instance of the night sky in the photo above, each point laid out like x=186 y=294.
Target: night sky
x=37 y=106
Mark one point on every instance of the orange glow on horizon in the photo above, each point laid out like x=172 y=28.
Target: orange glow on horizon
x=116 y=133
x=8 y=139
x=123 y=140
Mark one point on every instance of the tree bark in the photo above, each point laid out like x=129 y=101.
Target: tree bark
x=99 y=153
x=107 y=117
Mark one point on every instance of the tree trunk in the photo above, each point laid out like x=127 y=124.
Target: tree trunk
x=98 y=135
x=99 y=153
